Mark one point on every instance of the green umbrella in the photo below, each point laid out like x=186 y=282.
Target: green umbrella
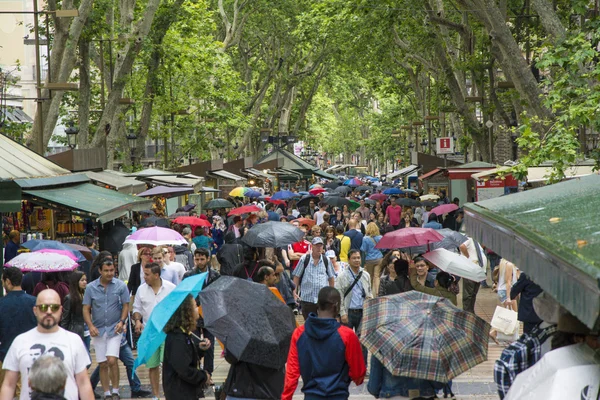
x=218 y=203
x=353 y=205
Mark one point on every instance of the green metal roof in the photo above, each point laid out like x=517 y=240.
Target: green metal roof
x=295 y=163
x=553 y=234
x=90 y=199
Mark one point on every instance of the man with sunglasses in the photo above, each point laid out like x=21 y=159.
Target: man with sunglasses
x=105 y=311
x=47 y=338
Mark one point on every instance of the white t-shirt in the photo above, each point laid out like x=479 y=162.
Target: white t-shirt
x=470 y=245
x=28 y=346
x=319 y=217
x=178 y=268
x=146 y=299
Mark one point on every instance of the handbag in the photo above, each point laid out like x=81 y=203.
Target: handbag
x=505 y=321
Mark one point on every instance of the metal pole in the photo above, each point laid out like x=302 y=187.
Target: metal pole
x=1 y=256
x=40 y=132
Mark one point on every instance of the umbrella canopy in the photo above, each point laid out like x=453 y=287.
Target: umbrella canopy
x=61 y=252
x=370 y=202
x=253 y=324
x=408 y=202
x=153 y=335
x=192 y=221
x=420 y=336
x=86 y=251
x=253 y=194
x=378 y=197
x=244 y=210
x=218 y=203
x=304 y=202
x=451 y=241
x=392 y=191
x=154 y=221
x=455 y=264
x=411 y=191
x=428 y=203
x=563 y=373
x=353 y=204
x=278 y=202
x=336 y=201
x=239 y=191
x=156 y=236
x=444 y=209
x=38 y=244
x=353 y=182
x=40 y=261
x=408 y=237
x=284 y=195
x=316 y=191
x=272 y=234
x=433 y=197
x=179 y=214
x=306 y=221
x=331 y=185
x=364 y=188
x=315 y=186
x=167 y=191
x=115 y=237
x=343 y=189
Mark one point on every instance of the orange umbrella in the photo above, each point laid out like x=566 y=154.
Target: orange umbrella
x=306 y=221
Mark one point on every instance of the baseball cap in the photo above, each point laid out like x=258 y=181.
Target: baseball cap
x=330 y=254
x=317 y=240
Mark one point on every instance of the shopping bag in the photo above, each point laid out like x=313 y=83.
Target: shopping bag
x=505 y=320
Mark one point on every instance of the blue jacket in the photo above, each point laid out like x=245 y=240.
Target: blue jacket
x=10 y=251
x=16 y=317
x=356 y=239
x=382 y=384
x=368 y=247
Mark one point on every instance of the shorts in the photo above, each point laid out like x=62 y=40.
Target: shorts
x=156 y=358
x=106 y=347
x=502 y=295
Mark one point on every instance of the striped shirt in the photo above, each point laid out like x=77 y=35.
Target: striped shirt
x=315 y=278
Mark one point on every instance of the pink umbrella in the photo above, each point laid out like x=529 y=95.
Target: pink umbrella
x=317 y=191
x=444 y=209
x=156 y=236
x=378 y=197
x=41 y=261
x=408 y=237
x=56 y=251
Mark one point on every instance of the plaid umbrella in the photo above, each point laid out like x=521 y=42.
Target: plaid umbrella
x=420 y=336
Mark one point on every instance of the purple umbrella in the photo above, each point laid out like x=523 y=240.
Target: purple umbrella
x=156 y=236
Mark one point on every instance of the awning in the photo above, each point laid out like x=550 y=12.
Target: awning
x=339 y=167
x=553 y=234
x=167 y=191
x=120 y=182
x=324 y=174
x=221 y=173
x=89 y=199
x=259 y=174
x=540 y=174
x=490 y=173
x=403 y=172
x=15 y=114
x=430 y=174
x=194 y=182
x=52 y=181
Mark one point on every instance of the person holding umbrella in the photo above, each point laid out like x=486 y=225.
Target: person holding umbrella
x=442 y=283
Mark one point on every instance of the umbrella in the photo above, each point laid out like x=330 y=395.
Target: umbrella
x=564 y=373
x=153 y=335
x=353 y=205
x=167 y=191
x=420 y=336
x=455 y=264
x=39 y=244
x=86 y=251
x=253 y=324
x=114 y=237
x=304 y=202
x=378 y=197
x=364 y=188
x=444 y=209
x=408 y=202
x=40 y=261
x=433 y=197
x=192 y=221
x=315 y=186
x=331 y=185
x=306 y=221
x=408 y=237
x=179 y=214
x=451 y=241
x=244 y=210
x=336 y=201
x=156 y=236
x=284 y=195
x=352 y=182
x=154 y=221
x=333 y=193
x=276 y=201
x=272 y=234
x=66 y=253
x=343 y=189
x=218 y=203
x=370 y=202
x=392 y=191
x=239 y=191
x=411 y=191
x=149 y=212
x=428 y=203
x=316 y=191
x=253 y=194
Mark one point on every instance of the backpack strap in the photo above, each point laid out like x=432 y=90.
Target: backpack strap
x=356 y=279
x=305 y=264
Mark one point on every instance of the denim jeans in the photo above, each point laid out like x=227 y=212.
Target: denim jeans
x=354 y=323
x=126 y=356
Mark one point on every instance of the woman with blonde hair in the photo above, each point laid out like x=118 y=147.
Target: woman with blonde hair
x=372 y=255
x=507 y=277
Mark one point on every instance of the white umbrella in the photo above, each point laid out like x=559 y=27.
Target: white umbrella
x=43 y=262
x=571 y=372
x=455 y=264
x=429 y=197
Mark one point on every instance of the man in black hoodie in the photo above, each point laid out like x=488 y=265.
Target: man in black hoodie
x=230 y=254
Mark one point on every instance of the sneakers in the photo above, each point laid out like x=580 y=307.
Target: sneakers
x=141 y=394
x=116 y=396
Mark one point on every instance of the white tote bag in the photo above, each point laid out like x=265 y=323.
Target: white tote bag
x=505 y=321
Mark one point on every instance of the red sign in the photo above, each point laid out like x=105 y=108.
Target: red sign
x=445 y=145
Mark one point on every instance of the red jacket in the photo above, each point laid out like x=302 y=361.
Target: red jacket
x=328 y=356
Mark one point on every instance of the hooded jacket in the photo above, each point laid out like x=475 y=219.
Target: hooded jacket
x=184 y=256
x=230 y=255
x=328 y=356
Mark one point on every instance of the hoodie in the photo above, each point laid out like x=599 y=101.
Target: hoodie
x=184 y=256
x=328 y=356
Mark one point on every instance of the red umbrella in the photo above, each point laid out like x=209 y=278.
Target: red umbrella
x=192 y=221
x=408 y=237
x=244 y=210
x=316 y=191
x=306 y=221
x=378 y=197
x=444 y=209
x=277 y=201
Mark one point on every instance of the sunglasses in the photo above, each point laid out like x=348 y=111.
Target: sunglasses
x=45 y=307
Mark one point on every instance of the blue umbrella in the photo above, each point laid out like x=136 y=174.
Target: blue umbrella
x=38 y=244
x=393 y=191
x=153 y=335
x=304 y=193
x=284 y=195
x=253 y=194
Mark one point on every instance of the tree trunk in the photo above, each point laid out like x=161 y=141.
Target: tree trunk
x=549 y=19
x=85 y=89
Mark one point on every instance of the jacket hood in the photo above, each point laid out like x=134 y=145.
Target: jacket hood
x=179 y=249
x=320 y=328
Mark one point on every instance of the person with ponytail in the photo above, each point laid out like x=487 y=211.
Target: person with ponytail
x=72 y=316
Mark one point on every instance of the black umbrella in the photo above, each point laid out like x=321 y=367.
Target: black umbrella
x=343 y=189
x=333 y=193
x=304 y=202
x=218 y=203
x=253 y=324
x=154 y=221
x=331 y=185
x=403 y=201
x=364 y=188
x=272 y=234
x=336 y=201
x=429 y=204
x=370 y=202
x=114 y=237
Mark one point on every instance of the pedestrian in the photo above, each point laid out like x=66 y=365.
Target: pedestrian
x=345 y=244
x=312 y=273
x=271 y=214
x=16 y=311
x=136 y=276
x=424 y=277
x=201 y=240
x=266 y=275
x=507 y=277
x=105 y=311
x=320 y=215
x=372 y=255
x=526 y=312
x=432 y=222
x=183 y=379
x=354 y=285
x=95 y=268
x=48 y=378
x=393 y=214
x=474 y=252
x=184 y=256
x=150 y=293
x=337 y=218
x=127 y=257
x=298 y=249
x=158 y=256
x=72 y=315
x=52 y=280
x=170 y=263
x=218 y=232
x=229 y=255
x=47 y=337
x=236 y=227
x=398 y=280
x=12 y=246
x=325 y=353
x=331 y=242
x=355 y=234
x=286 y=287
x=441 y=286
x=364 y=210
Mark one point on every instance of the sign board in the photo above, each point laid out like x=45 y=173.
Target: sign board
x=445 y=145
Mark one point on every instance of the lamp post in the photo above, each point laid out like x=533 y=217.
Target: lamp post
x=132 y=142
x=72 y=132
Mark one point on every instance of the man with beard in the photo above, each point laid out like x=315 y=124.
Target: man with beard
x=47 y=335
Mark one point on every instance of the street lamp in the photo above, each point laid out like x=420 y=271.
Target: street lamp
x=72 y=132
x=132 y=142
x=411 y=145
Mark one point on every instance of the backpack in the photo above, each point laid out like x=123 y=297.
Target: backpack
x=307 y=260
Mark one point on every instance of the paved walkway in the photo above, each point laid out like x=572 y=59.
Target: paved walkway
x=477 y=383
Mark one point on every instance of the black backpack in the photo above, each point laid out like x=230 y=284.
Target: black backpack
x=307 y=260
